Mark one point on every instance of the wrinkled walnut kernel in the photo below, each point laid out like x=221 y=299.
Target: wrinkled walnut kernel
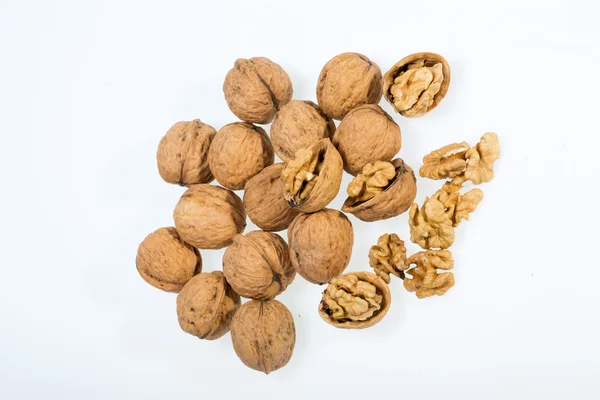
x=301 y=174
x=349 y=298
x=447 y=162
x=431 y=226
x=466 y=204
x=414 y=89
x=426 y=281
x=373 y=180
x=388 y=257
x=480 y=167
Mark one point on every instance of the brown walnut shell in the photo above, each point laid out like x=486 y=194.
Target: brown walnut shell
x=264 y=202
x=258 y=266
x=298 y=125
x=256 y=88
x=206 y=305
x=239 y=151
x=395 y=199
x=165 y=261
x=321 y=244
x=365 y=135
x=182 y=155
x=209 y=216
x=263 y=335
x=381 y=290
x=401 y=66
x=347 y=81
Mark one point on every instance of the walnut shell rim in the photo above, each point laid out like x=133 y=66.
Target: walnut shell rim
x=382 y=288
x=388 y=78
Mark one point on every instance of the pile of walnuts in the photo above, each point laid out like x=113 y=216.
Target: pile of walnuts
x=294 y=194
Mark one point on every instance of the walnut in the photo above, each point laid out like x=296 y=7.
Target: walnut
x=298 y=125
x=388 y=257
x=365 y=135
x=447 y=162
x=416 y=84
x=313 y=177
x=426 y=281
x=264 y=201
x=355 y=300
x=256 y=88
x=206 y=305
x=466 y=204
x=258 y=266
x=182 y=155
x=347 y=81
x=239 y=151
x=263 y=335
x=165 y=261
x=372 y=198
x=321 y=244
x=209 y=216
x=482 y=156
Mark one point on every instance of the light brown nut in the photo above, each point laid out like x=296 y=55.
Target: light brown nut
x=182 y=155
x=355 y=300
x=321 y=244
x=206 y=305
x=256 y=88
x=466 y=204
x=258 y=266
x=431 y=226
x=388 y=257
x=209 y=216
x=426 y=281
x=239 y=151
x=374 y=179
x=298 y=125
x=313 y=178
x=394 y=198
x=447 y=162
x=366 y=134
x=480 y=167
x=264 y=201
x=347 y=81
x=165 y=261
x=263 y=335
x=416 y=84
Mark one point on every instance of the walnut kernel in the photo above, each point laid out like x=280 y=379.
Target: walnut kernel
x=426 y=281
x=388 y=257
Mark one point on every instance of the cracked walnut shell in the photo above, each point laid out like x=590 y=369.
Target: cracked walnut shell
x=446 y=162
x=239 y=151
x=263 y=335
x=258 y=266
x=426 y=281
x=298 y=125
x=313 y=178
x=383 y=190
x=347 y=81
x=182 y=154
x=256 y=88
x=366 y=134
x=165 y=261
x=354 y=301
x=480 y=167
x=264 y=201
x=388 y=257
x=321 y=244
x=416 y=84
x=208 y=216
x=206 y=305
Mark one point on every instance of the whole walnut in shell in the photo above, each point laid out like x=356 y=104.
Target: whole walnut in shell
x=321 y=244
x=263 y=335
x=347 y=81
x=416 y=84
x=165 y=261
x=206 y=305
x=182 y=154
x=365 y=135
x=256 y=88
x=209 y=216
x=355 y=300
x=239 y=151
x=298 y=125
x=264 y=202
x=313 y=178
x=383 y=190
x=258 y=266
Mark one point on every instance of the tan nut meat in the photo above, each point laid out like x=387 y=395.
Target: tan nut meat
x=480 y=167
x=388 y=257
x=426 y=281
x=447 y=162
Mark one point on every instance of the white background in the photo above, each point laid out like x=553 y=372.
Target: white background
x=87 y=89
